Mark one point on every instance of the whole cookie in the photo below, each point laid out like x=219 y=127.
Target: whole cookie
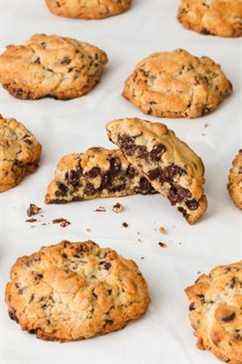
x=98 y=172
x=217 y=17
x=216 y=312
x=172 y=168
x=19 y=153
x=74 y=291
x=51 y=66
x=88 y=9
x=235 y=180
x=177 y=85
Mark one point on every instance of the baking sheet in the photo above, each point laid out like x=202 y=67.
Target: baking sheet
x=164 y=335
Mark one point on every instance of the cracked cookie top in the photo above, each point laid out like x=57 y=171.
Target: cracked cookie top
x=235 y=180
x=19 y=153
x=88 y=9
x=216 y=312
x=216 y=17
x=49 y=65
x=73 y=291
x=172 y=168
x=177 y=85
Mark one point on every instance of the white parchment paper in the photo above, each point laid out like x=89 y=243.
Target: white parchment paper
x=164 y=335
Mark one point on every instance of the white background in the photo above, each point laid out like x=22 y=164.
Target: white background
x=164 y=335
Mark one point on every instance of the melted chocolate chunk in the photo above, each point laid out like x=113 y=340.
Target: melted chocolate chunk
x=115 y=166
x=171 y=171
x=106 y=181
x=145 y=186
x=127 y=143
x=192 y=204
x=93 y=173
x=131 y=172
x=73 y=177
x=89 y=189
x=141 y=151
x=178 y=194
x=155 y=174
x=157 y=151
x=229 y=318
x=63 y=189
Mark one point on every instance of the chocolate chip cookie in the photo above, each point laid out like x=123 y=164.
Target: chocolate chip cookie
x=98 y=172
x=216 y=312
x=51 y=66
x=88 y=9
x=19 y=153
x=172 y=168
x=177 y=85
x=74 y=291
x=216 y=17
x=235 y=180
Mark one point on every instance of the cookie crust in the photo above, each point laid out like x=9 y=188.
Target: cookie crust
x=215 y=17
x=82 y=9
x=172 y=168
x=19 y=153
x=96 y=173
x=235 y=180
x=74 y=291
x=51 y=66
x=177 y=85
x=216 y=314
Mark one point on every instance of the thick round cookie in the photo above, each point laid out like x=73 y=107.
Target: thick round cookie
x=177 y=85
x=216 y=17
x=96 y=173
x=173 y=169
x=216 y=312
x=74 y=291
x=51 y=66
x=235 y=180
x=88 y=9
x=19 y=153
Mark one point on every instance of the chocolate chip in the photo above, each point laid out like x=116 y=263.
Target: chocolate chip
x=115 y=166
x=157 y=151
x=131 y=172
x=192 y=204
x=106 y=181
x=73 y=177
x=229 y=318
x=13 y=316
x=171 y=171
x=127 y=143
x=178 y=194
x=192 y=306
x=141 y=151
x=106 y=265
x=154 y=174
x=89 y=189
x=144 y=186
x=63 y=189
x=93 y=173
x=65 y=60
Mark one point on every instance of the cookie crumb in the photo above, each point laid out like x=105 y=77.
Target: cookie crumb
x=33 y=210
x=63 y=222
x=118 y=207
x=162 y=230
x=31 y=220
x=125 y=224
x=142 y=258
x=100 y=209
x=88 y=230
x=162 y=245
x=206 y=125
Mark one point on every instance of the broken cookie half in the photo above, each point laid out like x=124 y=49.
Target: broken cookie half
x=96 y=173
x=172 y=168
